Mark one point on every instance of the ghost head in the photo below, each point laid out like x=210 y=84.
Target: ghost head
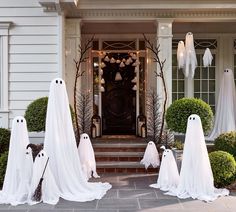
x=151 y=156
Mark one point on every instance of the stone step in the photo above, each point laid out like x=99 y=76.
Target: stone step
x=119 y=156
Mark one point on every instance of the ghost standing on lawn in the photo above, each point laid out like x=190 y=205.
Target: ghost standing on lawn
x=196 y=178
x=168 y=177
x=16 y=181
x=60 y=145
x=151 y=156
x=87 y=158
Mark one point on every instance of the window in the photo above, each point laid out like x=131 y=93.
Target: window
x=204 y=78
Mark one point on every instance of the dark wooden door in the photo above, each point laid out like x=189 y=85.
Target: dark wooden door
x=119 y=99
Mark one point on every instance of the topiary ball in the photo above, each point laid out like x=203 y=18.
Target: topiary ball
x=3 y=166
x=179 y=111
x=223 y=167
x=226 y=142
x=5 y=135
x=35 y=114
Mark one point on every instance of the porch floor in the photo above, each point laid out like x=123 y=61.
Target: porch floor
x=131 y=192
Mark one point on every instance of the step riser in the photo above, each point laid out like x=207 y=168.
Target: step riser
x=110 y=158
x=122 y=149
x=126 y=170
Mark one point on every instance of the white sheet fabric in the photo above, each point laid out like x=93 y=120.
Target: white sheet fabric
x=168 y=177
x=196 y=178
x=181 y=54
x=19 y=165
x=87 y=158
x=225 y=116
x=191 y=59
x=60 y=145
x=207 y=58
x=49 y=189
x=151 y=156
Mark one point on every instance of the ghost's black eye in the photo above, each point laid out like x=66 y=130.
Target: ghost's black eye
x=227 y=70
x=17 y=120
x=39 y=155
x=193 y=118
x=42 y=154
x=87 y=137
x=60 y=82
x=84 y=137
x=56 y=81
x=190 y=118
x=21 y=120
x=224 y=70
x=27 y=153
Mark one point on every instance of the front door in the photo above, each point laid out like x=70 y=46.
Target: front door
x=119 y=96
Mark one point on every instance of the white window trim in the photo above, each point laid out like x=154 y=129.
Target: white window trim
x=4 y=38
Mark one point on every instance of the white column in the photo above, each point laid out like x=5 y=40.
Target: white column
x=164 y=39
x=61 y=45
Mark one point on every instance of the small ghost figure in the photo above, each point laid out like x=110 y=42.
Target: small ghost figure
x=49 y=190
x=87 y=158
x=15 y=181
x=196 y=178
x=151 y=156
x=168 y=177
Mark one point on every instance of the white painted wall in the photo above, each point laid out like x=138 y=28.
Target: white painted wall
x=33 y=52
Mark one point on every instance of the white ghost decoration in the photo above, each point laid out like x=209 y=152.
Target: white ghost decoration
x=225 y=116
x=60 y=145
x=168 y=177
x=207 y=58
x=19 y=165
x=86 y=155
x=191 y=58
x=49 y=189
x=151 y=156
x=181 y=55
x=196 y=178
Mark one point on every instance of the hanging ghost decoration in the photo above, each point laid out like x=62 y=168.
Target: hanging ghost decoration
x=191 y=59
x=87 y=158
x=16 y=181
x=151 y=156
x=168 y=177
x=60 y=145
x=49 y=190
x=196 y=178
x=225 y=116
x=207 y=58
x=181 y=54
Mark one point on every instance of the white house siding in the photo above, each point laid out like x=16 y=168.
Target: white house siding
x=33 y=52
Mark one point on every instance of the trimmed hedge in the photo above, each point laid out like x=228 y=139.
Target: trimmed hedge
x=179 y=111
x=36 y=112
x=5 y=135
x=226 y=142
x=3 y=166
x=223 y=167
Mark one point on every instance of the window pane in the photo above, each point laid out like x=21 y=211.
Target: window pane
x=212 y=85
x=197 y=73
x=174 y=85
x=212 y=73
x=212 y=98
x=204 y=85
x=205 y=97
x=196 y=85
x=174 y=72
x=204 y=73
x=174 y=96
x=180 y=86
x=180 y=74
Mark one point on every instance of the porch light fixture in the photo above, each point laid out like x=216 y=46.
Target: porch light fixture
x=118 y=76
x=186 y=56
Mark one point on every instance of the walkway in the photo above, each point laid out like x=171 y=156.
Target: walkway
x=131 y=193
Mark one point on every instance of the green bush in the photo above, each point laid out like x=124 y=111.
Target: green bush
x=226 y=142
x=5 y=135
x=36 y=112
x=179 y=111
x=3 y=166
x=223 y=167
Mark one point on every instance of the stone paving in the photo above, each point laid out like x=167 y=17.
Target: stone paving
x=131 y=193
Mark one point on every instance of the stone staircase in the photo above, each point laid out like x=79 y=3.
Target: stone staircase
x=120 y=154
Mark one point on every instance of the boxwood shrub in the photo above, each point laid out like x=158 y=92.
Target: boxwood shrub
x=36 y=112
x=226 y=142
x=179 y=111
x=223 y=167
x=4 y=139
x=3 y=166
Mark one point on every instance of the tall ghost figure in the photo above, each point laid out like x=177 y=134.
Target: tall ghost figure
x=168 y=177
x=19 y=165
x=60 y=145
x=196 y=178
x=225 y=117
x=50 y=192
x=151 y=156
x=86 y=155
